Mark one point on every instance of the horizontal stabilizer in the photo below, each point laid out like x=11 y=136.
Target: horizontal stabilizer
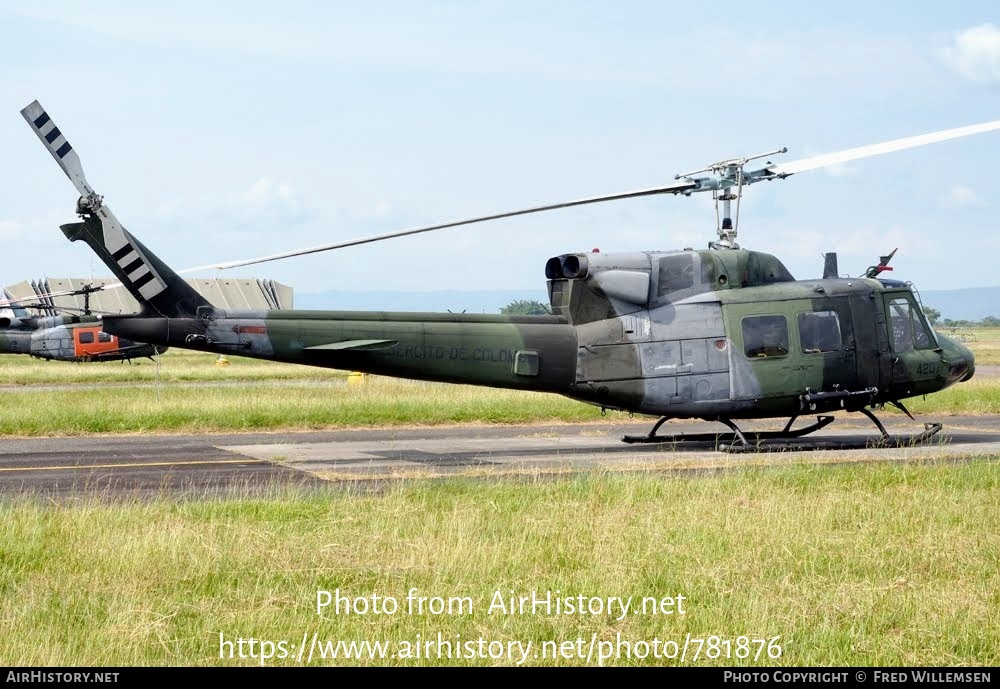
x=356 y=345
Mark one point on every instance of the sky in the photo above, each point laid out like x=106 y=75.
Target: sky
x=228 y=130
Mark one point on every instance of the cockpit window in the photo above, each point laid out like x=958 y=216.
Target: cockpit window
x=908 y=329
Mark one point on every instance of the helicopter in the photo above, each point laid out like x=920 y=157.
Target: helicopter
x=719 y=334
x=62 y=337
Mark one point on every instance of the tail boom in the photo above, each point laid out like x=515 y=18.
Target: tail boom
x=537 y=353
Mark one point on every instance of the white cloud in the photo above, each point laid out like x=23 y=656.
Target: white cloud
x=975 y=53
x=10 y=229
x=963 y=197
x=36 y=229
x=493 y=38
x=265 y=205
x=270 y=198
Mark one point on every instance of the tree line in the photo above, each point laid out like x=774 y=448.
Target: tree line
x=934 y=318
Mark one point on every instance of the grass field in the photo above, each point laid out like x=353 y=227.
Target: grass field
x=828 y=566
x=793 y=565
x=984 y=343
x=190 y=392
x=176 y=366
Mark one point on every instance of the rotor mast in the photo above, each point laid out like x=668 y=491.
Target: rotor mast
x=726 y=183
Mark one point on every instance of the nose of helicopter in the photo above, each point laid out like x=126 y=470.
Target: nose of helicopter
x=959 y=358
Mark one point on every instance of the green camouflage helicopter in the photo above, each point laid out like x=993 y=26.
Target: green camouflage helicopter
x=62 y=337
x=718 y=334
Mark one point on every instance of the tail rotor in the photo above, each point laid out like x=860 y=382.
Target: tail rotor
x=150 y=281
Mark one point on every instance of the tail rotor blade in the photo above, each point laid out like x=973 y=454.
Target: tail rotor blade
x=56 y=144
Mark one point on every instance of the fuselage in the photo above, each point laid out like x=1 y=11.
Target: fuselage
x=660 y=333
x=731 y=334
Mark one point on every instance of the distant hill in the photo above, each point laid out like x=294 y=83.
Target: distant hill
x=484 y=301
x=971 y=304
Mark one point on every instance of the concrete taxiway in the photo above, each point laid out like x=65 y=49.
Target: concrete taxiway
x=242 y=464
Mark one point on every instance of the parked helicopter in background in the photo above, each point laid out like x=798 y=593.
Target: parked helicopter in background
x=721 y=334
x=67 y=338
x=64 y=337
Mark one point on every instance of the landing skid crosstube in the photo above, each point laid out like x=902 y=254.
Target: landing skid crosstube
x=764 y=441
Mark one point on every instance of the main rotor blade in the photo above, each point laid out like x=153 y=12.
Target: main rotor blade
x=48 y=295
x=53 y=140
x=825 y=160
x=674 y=188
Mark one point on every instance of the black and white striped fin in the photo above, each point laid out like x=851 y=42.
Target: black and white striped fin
x=135 y=267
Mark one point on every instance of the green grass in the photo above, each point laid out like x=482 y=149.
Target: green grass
x=267 y=406
x=984 y=343
x=977 y=396
x=176 y=366
x=191 y=393
x=848 y=565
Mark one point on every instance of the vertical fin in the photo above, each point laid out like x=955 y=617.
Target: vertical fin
x=157 y=288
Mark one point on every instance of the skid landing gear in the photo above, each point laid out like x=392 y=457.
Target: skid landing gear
x=736 y=438
x=744 y=441
x=903 y=440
